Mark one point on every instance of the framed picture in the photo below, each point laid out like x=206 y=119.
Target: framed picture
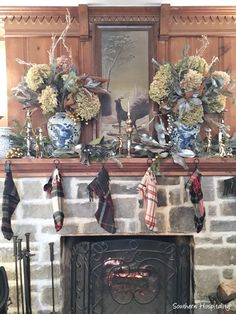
x=123 y=57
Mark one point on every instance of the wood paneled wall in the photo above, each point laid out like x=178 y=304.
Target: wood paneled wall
x=28 y=33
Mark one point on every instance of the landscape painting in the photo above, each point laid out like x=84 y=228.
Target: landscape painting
x=125 y=63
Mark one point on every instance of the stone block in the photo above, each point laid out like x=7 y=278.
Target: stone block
x=82 y=210
x=228 y=208
x=35 y=210
x=186 y=196
x=134 y=227
x=206 y=282
x=228 y=273
x=181 y=219
x=208 y=188
x=6 y=255
x=125 y=207
x=32 y=189
x=161 y=198
x=207 y=240
x=82 y=191
x=66 y=230
x=211 y=210
x=223 y=256
x=68 y=187
x=1 y=186
x=174 y=197
x=95 y=228
x=220 y=188
x=160 y=223
x=162 y=180
x=222 y=225
x=20 y=229
x=46 y=296
x=231 y=239
x=124 y=188
x=39 y=272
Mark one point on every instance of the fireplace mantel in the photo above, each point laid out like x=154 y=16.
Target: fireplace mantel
x=29 y=167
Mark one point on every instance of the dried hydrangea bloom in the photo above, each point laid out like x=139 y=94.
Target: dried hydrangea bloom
x=87 y=105
x=48 y=99
x=217 y=104
x=193 y=116
x=197 y=63
x=225 y=76
x=36 y=76
x=192 y=81
x=63 y=64
x=160 y=86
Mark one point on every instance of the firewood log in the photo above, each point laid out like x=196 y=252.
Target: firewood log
x=226 y=292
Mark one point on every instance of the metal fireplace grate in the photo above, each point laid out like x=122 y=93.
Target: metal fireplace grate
x=133 y=275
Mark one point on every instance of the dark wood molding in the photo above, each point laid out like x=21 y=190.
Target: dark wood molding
x=131 y=167
x=84 y=22
x=164 y=22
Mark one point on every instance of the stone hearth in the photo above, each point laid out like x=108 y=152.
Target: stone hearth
x=214 y=247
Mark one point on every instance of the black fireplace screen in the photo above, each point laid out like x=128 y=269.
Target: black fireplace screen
x=124 y=275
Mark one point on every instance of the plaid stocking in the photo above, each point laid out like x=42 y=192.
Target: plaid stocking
x=196 y=195
x=105 y=211
x=148 y=197
x=55 y=191
x=9 y=204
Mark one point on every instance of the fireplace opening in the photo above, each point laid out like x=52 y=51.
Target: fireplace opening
x=127 y=274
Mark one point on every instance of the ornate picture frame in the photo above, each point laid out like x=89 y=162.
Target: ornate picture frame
x=123 y=56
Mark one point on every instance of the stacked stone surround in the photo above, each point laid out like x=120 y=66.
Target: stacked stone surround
x=214 y=247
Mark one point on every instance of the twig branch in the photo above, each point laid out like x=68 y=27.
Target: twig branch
x=24 y=62
x=61 y=38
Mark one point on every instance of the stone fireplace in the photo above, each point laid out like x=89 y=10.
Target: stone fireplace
x=213 y=250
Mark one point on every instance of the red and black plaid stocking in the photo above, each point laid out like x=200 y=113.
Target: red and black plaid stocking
x=196 y=195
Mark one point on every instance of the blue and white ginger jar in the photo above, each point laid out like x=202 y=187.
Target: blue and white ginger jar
x=184 y=137
x=62 y=131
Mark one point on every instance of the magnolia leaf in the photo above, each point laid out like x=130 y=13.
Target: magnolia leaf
x=161 y=131
x=183 y=106
x=179 y=160
x=196 y=101
x=97 y=141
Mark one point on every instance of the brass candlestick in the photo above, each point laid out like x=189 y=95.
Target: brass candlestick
x=129 y=130
x=120 y=144
x=222 y=151
x=208 y=140
x=29 y=132
x=39 y=143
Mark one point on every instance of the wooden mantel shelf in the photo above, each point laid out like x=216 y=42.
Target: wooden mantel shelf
x=130 y=167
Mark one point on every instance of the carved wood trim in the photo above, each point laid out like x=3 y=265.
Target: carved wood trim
x=131 y=167
x=202 y=20
x=41 y=13
x=33 y=22
x=124 y=15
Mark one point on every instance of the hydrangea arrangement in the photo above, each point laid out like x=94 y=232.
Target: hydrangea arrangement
x=190 y=88
x=58 y=86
